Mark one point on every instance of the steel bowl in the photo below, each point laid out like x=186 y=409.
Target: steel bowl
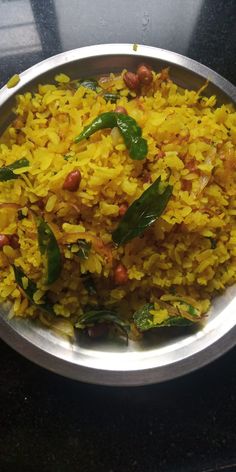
x=160 y=356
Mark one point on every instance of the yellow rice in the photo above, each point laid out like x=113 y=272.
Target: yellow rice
x=191 y=144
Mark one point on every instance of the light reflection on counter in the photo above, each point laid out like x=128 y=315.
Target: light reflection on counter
x=17 y=28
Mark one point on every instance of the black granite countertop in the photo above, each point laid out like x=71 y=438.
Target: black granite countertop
x=48 y=423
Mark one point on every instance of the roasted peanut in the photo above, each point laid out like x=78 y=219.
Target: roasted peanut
x=4 y=240
x=144 y=74
x=72 y=181
x=147 y=177
x=40 y=204
x=121 y=110
x=123 y=209
x=131 y=80
x=120 y=275
x=187 y=185
x=14 y=241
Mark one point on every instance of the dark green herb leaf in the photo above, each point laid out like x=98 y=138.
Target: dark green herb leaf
x=192 y=311
x=89 y=283
x=111 y=97
x=175 y=321
x=131 y=132
x=91 y=84
x=213 y=243
x=143 y=212
x=30 y=290
x=7 y=172
x=20 y=215
x=183 y=308
x=67 y=157
x=48 y=246
x=172 y=290
x=102 y=315
x=143 y=320
x=18 y=164
x=83 y=248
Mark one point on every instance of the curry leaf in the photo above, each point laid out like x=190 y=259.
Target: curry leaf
x=67 y=157
x=143 y=212
x=143 y=318
x=102 y=315
x=48 y=246
x=144 y=321
x=181 y=306
x=192 y=311
x=81 y=248
x=91 y=84
x=89 y=283
x=111 y=97
x=7 y=172
x=175 y=321
x=213 y=242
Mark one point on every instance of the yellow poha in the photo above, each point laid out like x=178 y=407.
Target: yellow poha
x=179 y=263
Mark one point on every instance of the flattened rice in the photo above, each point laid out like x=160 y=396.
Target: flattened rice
x=59 y=258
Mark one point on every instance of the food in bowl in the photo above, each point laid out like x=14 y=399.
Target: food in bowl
x=117 y=204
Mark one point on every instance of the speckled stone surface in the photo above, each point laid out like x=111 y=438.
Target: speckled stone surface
x=48 y=423
x=34 y=30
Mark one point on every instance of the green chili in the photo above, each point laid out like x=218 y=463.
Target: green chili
x=131 y=132
x=143 y=212
x=7 y=172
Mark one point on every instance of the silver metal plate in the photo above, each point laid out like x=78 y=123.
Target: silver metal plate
x=160 y=356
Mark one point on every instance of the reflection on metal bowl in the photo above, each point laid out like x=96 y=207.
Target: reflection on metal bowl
x=160 y=356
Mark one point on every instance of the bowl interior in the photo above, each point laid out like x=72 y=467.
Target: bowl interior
x=161 y=354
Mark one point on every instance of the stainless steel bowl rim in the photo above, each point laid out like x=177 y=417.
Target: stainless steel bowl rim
x=131 y=367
